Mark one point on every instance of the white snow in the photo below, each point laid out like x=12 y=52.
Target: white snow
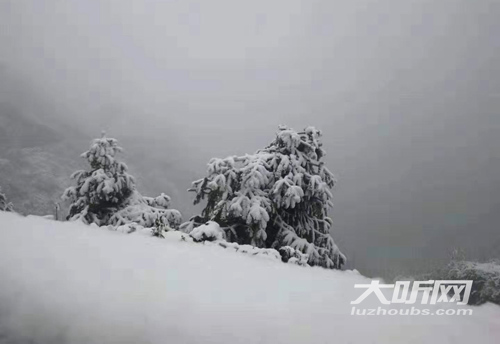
x=209 y=231
x=72 y=283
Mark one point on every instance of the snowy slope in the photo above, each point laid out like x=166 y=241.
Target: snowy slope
x=70 y=283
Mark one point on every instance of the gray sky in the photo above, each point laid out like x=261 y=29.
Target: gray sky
x=407 y=94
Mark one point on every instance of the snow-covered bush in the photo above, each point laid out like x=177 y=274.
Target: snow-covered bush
x=486 y=277
x=210 y=231
x=292 y=256
x=4 y=204
x=249 y=250
x=277 y=197
x=147 y=212
x=106 y=194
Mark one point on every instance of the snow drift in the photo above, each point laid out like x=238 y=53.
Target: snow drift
x=72 y=283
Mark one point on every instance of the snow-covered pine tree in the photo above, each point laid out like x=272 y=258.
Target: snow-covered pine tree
x=103 y=188
x=274 y=198
x=106 y=194
x=147 y=212
x=4 y=204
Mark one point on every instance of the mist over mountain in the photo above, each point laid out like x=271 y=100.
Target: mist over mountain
x=35 y=151
x=41 y=148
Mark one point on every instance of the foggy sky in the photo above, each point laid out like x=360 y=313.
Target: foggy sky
x=407 y=94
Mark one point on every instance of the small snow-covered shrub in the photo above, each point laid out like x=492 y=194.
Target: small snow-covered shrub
x=292 y=256
x=4 y=204
x=210 y=231
x=486 y=277
x=251 y=250
x=147 y=213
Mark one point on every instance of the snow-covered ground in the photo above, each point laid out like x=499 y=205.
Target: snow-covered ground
x=71 y=283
